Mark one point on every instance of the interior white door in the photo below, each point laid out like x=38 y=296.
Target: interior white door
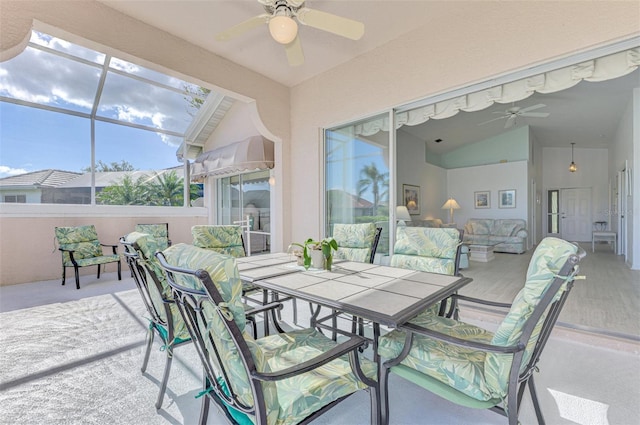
x=575 y=214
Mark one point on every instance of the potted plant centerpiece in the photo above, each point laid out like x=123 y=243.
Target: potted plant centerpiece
x=318 y=254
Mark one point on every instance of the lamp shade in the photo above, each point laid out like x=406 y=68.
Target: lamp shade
x=451 y=204
x=402 y=214
x=283 y=29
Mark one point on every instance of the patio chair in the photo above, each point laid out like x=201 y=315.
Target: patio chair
x=80 y=247
x=356 y=242
x=285 y=378
x=429 y=249
x=473 y=367
x=164 y=318
x=159 y=231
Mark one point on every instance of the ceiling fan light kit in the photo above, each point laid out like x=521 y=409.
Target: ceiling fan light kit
x=283 y=17
x=283 y=29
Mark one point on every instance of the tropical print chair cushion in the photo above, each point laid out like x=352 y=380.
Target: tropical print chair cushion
x=547 y=260
x=354 y=241
x=222 y=239
x=284 y=401
x=483 y=376
x=160 y=233
x=461 y=368
x=426 y=249
x=83 y=241
x=147 y=247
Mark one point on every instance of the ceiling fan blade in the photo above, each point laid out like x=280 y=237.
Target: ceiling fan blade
x=510 y=122
x=243 y=27
x=535 y=114
x=331 y=23
x=495 y=119
x=295 y=55
x=532 y=108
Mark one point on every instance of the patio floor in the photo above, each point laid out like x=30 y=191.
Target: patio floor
x=84 y=367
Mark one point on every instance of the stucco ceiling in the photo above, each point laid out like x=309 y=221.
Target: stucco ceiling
x=586 y=114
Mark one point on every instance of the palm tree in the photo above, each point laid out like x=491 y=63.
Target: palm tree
x=168 y=189
x=372 y=179
x=127 y=192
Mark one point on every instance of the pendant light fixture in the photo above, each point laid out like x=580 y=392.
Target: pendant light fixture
x=572 y=167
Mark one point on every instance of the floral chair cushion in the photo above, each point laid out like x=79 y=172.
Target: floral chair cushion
x=354 y=241
x=480 y=375
x=148 y=246
x=222 y=239
x=284 y=400
x=83 y=241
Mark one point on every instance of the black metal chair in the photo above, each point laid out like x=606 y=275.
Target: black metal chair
x=295 y=376
x=473 y=367
x=164 y=318
x=80 y=247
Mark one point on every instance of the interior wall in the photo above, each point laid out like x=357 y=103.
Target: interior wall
x=414 y=170
x=409 y=68
x=463 y=182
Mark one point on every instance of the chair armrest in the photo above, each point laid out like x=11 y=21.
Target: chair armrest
x=114 y=247
x=351 y=345
x=522 y=233
x=480 y=301
x=70 y=251
x=263 y=308
x=415 y=329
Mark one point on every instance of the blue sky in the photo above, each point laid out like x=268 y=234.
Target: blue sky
x=33 y=139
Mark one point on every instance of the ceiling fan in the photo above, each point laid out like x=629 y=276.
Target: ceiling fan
x=281 y=17
x=515 y=111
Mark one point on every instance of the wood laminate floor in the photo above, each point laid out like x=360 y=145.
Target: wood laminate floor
x=606 y=301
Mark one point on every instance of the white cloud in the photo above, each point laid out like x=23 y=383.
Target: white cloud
x=8 y=171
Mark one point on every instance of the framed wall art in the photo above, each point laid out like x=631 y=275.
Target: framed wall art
x=482 y=199
x=411 y=198
x=507 y=198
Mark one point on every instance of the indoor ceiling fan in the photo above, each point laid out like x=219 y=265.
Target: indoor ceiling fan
x=281 y=17
x=515 y=111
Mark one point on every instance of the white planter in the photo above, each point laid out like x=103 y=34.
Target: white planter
x=317 y=259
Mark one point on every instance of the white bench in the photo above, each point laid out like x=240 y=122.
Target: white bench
x=599 y=235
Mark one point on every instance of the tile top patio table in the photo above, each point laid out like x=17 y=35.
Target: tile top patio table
x=385 y=295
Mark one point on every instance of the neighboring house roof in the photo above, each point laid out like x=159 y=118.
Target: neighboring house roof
x=42 y=178
x=355 y=200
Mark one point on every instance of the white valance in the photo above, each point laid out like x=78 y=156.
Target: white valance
x=254 y=153
x=600 y=69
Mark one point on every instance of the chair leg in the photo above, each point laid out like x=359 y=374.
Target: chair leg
x=77 y=277
x=383 y=374
x=536 y=403
x=119 y=271
x=64 y=274
x=150 y=336
x=165 y=377
x=204 y=407
x=99 y=265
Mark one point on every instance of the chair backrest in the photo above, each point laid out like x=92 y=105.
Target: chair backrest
x=207 y=288
x=224 y=239
x=83 y=240
x=534 y=311
x=140 y=249
x=429 y=249
x=159 y=231
x=356 y=242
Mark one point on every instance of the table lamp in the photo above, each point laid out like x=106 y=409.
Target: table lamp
x=451 y=205
x=402 y=215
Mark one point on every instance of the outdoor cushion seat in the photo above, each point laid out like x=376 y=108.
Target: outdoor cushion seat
x=356 y=242
x=280 y=379
x=80 y=247
x=225 y=239
x=159 y=231
x=476 y=368
x=429 y=249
